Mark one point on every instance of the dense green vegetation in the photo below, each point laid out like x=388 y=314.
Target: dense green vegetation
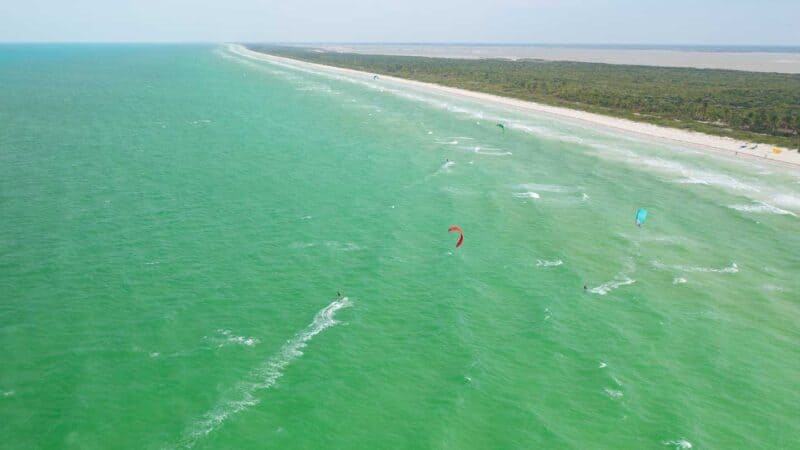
x=763 y=107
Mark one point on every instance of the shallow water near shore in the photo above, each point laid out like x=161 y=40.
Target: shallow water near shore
x=177 y=222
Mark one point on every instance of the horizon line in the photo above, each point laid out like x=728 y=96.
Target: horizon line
x=464 y=43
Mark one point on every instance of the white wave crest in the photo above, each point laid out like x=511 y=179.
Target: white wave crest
x=265 y=376
x=546 y=187
x=733 y=268
x=527 y=195
x=545 y=263
x=488 y=151
x=761 y=207
x=605 y=288
x=679 y=444
x=615 y=394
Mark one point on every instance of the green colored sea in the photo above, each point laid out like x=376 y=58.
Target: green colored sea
x=176 y=222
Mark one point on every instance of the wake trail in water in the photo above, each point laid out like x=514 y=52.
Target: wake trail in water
x=265 y=376
x=605 y=288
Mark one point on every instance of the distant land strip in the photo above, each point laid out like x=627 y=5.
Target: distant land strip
x=747 y=106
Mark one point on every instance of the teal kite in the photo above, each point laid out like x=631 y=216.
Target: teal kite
x=641 y=216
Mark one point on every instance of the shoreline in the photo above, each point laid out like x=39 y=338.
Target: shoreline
x=718 y=144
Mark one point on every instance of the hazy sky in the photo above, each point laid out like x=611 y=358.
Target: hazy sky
x=713 y=22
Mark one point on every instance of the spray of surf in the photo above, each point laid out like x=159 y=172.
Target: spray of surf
x=263 y=377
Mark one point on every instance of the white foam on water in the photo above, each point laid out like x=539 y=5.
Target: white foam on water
x=679 y=444
x=584 y=196
x=691 y=175
x=490 y=152
x=297 y=245
x=733 y=268
x=546 y=263
x=602 y=365
x=546 y=187
x=545 y=133
x=155 y=354
x=692 y=181
x=615 y=394
x=678 y=280
x=533 y=195
x=342 y=246
x=655 y=238
x=8 y=393
x=762 y=208
x=775 y=288
x=265 y=376
x=787 y=201
x=617 y=282
x=686 y=173
x=231 y=339
x=447 y=165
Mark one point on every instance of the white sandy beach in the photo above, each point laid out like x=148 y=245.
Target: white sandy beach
x=690 y=138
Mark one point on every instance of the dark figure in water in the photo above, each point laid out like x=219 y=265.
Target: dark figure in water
x=339 y=294
x=584 y=287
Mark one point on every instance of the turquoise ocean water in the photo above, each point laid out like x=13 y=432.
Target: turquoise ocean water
x=177 y=221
